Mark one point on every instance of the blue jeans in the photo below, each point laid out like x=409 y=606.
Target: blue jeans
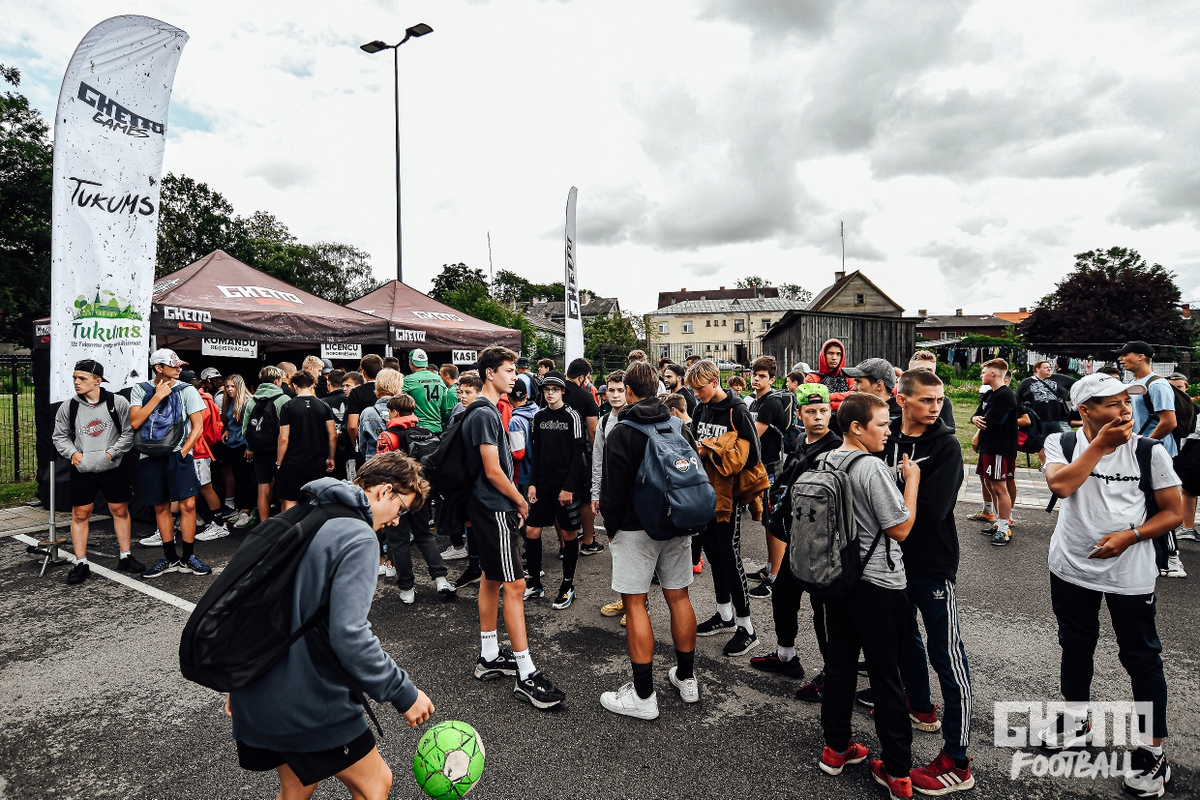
x=938 y=603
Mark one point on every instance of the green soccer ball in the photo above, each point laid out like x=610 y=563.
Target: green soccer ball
x=449 y=760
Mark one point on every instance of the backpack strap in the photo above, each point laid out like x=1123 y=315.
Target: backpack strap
x=1068 y=441
x=1145 y=453
x=107 y=398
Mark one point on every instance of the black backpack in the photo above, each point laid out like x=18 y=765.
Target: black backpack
x=421 y=442
x=241 y=628
x=672 y=495
x=262 y=426
x=110 y=404
x=1166 y=545
x=1034 y=440
x=1185 y=410
x=447 y=468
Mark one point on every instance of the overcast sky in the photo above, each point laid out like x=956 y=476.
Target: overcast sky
x=971 y=148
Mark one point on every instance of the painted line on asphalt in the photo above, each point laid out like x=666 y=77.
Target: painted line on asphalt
x=124 y=580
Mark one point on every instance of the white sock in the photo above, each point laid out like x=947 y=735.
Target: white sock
x=1157 y=751
x=1076 y=714
x=989 y=508
x=725 y=610
x=125 y=554
x=525 y=666
x=1002 y=525
x=747 y=624
x=489 y=645
x=229 y=503
x=786 y=653
x=81 y=561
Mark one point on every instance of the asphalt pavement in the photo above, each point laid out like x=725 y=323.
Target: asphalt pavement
x=95 y=706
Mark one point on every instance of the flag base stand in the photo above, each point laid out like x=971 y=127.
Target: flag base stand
x=49 y=547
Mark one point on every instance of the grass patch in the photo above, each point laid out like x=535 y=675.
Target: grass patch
x=17 y=494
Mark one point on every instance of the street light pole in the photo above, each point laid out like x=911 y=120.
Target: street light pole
x=420 y=29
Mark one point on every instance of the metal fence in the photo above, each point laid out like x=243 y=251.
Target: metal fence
x=18 y=455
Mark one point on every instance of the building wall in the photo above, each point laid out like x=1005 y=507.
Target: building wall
x=713 y=335
x=801 y=337
x=846 y=301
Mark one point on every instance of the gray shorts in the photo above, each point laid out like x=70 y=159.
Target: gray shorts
x=636 y=557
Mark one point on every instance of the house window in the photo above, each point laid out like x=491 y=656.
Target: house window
x=662 y=351
x=860 y=299
x=725 y=347
x=687 y=351
x=766 y=324
x=725 y=322
x=708 y=323
x=664 y=327
x=739 y=325
x=708 y=347
x=687 y=326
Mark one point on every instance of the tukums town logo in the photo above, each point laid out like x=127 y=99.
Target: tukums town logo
x=105 y=322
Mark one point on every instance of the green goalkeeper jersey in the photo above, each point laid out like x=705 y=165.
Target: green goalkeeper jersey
x=434 y=399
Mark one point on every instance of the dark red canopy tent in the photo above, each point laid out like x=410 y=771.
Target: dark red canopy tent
x=417 y=320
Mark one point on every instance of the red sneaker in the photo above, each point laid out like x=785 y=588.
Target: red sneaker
x=924 y=720
x=898 y=788
x=698 y=567
x=941 y=777
x=832 y=761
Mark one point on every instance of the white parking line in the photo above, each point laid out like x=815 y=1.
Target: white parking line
x=125 y=580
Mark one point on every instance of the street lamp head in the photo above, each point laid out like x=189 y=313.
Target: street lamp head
x=375 y=46
x=420 y=29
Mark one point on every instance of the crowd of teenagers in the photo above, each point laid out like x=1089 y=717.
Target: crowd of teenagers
x=502 y=457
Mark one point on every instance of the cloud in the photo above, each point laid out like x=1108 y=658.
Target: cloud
x=775 y=18
x=299 y=64
x=703 y=270
x=972 y=273
x=975 y=225
x=282 y=175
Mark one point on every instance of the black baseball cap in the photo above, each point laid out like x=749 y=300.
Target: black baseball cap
x=522 y=363
x=1139 y=347
x=187 y=376
x=93 y=366
x=520 y=391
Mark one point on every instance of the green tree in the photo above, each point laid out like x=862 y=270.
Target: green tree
x=794 y=291
x=1112 y=296
x=455 y=277
x=611 y=332
x=193 y=221
x=26 y=173
x=753 y=282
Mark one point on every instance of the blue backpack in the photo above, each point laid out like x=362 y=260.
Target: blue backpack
x=671 y=494
x=162 y=431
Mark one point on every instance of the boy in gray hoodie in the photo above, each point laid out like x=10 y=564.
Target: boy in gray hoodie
x=92 y=430
x=298 y=721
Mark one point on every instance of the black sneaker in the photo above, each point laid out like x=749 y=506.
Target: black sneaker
x=865 y=698
x=566 y=596
x=1148 y=775
x=811 y=691
x=743 y=642
x=773 y=663
x=79 y=573
x=591 y=549
x=130 y=564
x=989 y=531
x=762 y=591
x=762 y=573
x=539 y=691
x=501 y=665
x=162 y=567
x=714 y=625
x=472 y=574
x=1056 y=737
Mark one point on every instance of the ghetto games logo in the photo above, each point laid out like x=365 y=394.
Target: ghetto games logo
x=1111 y=725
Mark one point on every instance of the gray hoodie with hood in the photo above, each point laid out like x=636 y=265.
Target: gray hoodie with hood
x=295 y=707
x=95 y=434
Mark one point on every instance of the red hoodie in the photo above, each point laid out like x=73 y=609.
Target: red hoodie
x=389 y=437
x=838 y=384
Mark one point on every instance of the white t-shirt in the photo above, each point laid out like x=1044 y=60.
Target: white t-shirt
x=1107 y=502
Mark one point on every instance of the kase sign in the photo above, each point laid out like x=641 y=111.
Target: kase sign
x=465 y=356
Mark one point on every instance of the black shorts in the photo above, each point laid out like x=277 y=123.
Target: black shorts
x=167 y=478
x=1188 y=476
x=496 y=541
x=114 y=483
x=264 y=468
x=309 y=767
x=289 y=480
x=547 y=510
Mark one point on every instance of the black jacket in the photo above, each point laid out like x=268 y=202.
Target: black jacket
x=931 y=548
x=624 y=449
x=712 y=419
x=779 y=519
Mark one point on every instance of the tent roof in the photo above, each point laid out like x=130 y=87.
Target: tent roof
x=417 y=320
x=221 y=297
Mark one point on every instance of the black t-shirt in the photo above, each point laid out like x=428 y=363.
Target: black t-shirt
x=1043 y=395
x=360 y=398
x=582 y=401
x=308 y=437
x=999 y=410
x=771 y=413
x=337 y=403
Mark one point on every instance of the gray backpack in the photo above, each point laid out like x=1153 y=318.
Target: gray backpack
x=825 y=556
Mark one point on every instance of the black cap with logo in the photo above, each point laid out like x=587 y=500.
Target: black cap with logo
x=93 y=366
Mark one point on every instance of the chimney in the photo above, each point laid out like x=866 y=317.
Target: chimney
x=958 y=312
x=837 y=276
x=1023 y=310
x=684 y=289
x=1186 y=308
x=923 y=313
x=722 y=288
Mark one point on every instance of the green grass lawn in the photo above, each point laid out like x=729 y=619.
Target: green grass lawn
x=965 y=397
x=16 y=494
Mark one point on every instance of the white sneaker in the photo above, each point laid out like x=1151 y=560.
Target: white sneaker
x=407 y=596
x=389 y=570
x=214 y=530
x=626 y=701
x=382 y=570
x=1174 y=568
x=689 y=690
x=1187 y=535
x=154 y=540
x=444 y=587
x=453 y=553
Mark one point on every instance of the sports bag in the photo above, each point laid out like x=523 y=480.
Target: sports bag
x=672 y=495
x=447 y=468
x=1030 y=438
x=162 y=431
x=1185 y=411
x=262 y=426
x=242 y=626
x=421 y=442
x=825 y=556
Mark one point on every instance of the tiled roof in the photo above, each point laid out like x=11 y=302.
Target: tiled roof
x=749 y=306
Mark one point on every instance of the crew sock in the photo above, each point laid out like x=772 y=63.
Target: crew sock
x=169 y=551
x=81 y=560
x=188 y=549
x=525 y=666
x=786 y=653
x=533 y=550
x=725 y=610
x=489 y=646
x=126 y=554
x=643 y=680
x=685 y=664
x=747 y=624
x=989 y=508
x=570 y=560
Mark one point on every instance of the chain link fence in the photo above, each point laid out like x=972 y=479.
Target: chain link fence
x=18 y=452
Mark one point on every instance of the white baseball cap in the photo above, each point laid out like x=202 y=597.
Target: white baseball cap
x=167 y=358
x=210 y=372
x=1097 y=385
